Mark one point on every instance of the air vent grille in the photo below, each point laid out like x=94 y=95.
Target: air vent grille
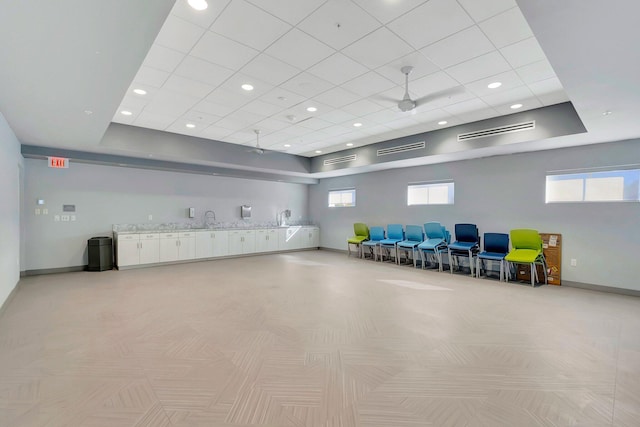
x=343 y=159
x=518 y=127
x=401 y=148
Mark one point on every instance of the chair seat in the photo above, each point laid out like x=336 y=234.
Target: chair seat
x=523 y=255
x=463 y=246
x=431 y=244
x=494 y=256
x=356 y=240
x=389 y=242
x=371 y=243
x=408 y=244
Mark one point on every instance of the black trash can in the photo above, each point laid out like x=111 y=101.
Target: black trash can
x=100 y=254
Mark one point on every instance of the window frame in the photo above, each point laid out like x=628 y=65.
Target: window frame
x=432 y=184
x=626 y=172
x=350 y=190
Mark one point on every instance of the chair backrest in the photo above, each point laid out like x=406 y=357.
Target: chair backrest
x=525 y=238
x=414 y=233
x=434 y=230
x=361 y=229
x=467 y=233
x=394 y=231
x=496 y=242
x=376 y=233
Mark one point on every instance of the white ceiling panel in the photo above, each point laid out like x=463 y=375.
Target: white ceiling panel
x=523 y=52
x=203 y=71
x=315 y=124
x=186 y=86
x=378 y=48
x=201 y=119
x=337 y=69
x=291 y=11
x=212 y=108
x=430 y=22
x=527 y=104
x=421 y=67
x=229 y=98
x=338 y=23
x=509 y=80
x=202 y=18
x=384 y=116
x=478 y=68
x=220 y=50
x=299 y=49
x=368 y=84
x=243 y=22
x=282 y=97
x=362 y=108
x=541 y=70
x=163 y=58
x=549 y=91
x=433 y=83
x=270 y=69
x=460 y=47
x=151 y=120
x=260 y=107
x=337 y=116
x=167 y=102
x=477 y=115
x=481 y=10
x=506 y=28
x=271 y=125
x=178 y=34
x=466 y=106
x=307 y=85
x=385 y=10
x=337 y=97
x=216 y=133
x=151 y=76
x=511 y=96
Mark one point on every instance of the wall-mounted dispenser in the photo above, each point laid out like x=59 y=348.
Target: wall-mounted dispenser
x=245 y=211
x=192 y=212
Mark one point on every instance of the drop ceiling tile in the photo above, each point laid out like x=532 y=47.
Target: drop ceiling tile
x=282 y=98
x=249 y=25
x=552 y=98
x=291 y=11
x=527 y=104
x=506 y=28
x=151 y=120
x=476 y=116
x=151 y=77
x=295 y=131
x=335 y=117
x=368 y=84
x=220 y=50
x=462 y=46
x=201 y=119
x=338 y=23
x=402 y=123
x=133 y=103
x=478 y=68
x=203 y=71
x=228 y=98
x=384 y=116
x=249 y=118
x=307 y=85
x=337 y=69
x=378 y=48
x=362 y=108
x=212 y=108
x=299 y=49
x=541 y=70
x=315 y=124
x=263 y=108
x=431 y=84
x=202 y=18
x=523 y=52
x=509 y=80
x=385 y=11
x=421 y=67
x=512 y=96
x=481 y=10
x=163 y=58
x=171 y=103
x=272 y=125
x=124 y=120
x=235 y=82
x=232 y=123
x=269 y=69
x=180 y=126
x=215 y=133
x=432 y=117
x=549 y=91
x=337 y=97
x=442 y=98
x=187 y=86
x=178 y=34
x=474 y=104
x=430 y=22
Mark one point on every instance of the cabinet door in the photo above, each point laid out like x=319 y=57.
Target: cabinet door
x=249 y=242
x=204 y=244
x=262 y=242
x=187 y=246
x=235 y=242
x=149 y=248
x=127 y=251
x=272 y=240
x=169 y=249
x=220 y=243
x=310 y=237
x=315 y=237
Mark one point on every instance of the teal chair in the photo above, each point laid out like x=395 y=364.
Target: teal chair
x=435 y=244
x=361 y=234
x=376 y=234
x=527 y=249
x=413 y=237
x=395 y=235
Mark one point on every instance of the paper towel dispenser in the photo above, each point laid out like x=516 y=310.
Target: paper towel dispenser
x=245 y=211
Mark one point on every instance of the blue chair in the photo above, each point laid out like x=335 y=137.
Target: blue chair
x=376 y=234
x=395 y=234
x=436 y=242
x=496 y=247
x=467 y=244
x=413 y=238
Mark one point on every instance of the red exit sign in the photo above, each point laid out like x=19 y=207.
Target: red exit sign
x=58 y=162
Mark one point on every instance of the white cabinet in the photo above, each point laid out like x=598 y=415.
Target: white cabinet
x=242 y=242
x=149 y=248
x=212 y=243
x=186 y=245
x=135 y=249
x=310 y=237
x=289 y=238
x=177 y=246
x=267 y=240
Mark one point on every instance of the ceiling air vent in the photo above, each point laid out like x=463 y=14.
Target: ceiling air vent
x=401 y=148
x=342 y=159
x=518 y=127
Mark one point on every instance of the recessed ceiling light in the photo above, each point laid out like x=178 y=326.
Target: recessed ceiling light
x=349 y=144
x=126 y=113
x=287 y=145
x=247 y=87
x=442 y=122
x=312 y=109
x=198 y=4
x=318 y=151
x=140 y=91
x=357 y=125
x=190 y=125
x=516 y=106
x=606 y=113
x=494 y=85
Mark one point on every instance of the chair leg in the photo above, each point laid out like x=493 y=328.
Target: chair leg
x=478 y=267
x=534 y=274
x=471 y=262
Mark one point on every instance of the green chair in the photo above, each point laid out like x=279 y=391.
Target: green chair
x=527 y=249
x=361 y=234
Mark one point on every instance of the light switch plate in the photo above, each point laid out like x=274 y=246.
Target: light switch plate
x=56 y=218
x=64 y=218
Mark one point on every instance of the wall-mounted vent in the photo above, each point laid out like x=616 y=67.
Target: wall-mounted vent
x=518 y=127
x=343 y=159
x=401 y=148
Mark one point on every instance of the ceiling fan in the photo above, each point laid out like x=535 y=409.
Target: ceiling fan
x=257 y=149
x=407 y=104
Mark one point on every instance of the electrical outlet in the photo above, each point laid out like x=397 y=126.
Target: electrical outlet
x=56 y=218
x=574 y=262
x=45 y=211
x=73 y=217
x=150 y=217
x=37 y=211
x=64 y=218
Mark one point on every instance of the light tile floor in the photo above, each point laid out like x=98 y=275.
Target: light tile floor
x=314 y=339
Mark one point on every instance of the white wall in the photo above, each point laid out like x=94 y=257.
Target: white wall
x=107 y=195
x=10 y=164
x=498 y=194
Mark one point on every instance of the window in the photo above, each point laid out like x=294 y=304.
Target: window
x=342 y=198
x=435 y=193
x=600 y=186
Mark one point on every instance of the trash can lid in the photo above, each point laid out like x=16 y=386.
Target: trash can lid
x=99 y=241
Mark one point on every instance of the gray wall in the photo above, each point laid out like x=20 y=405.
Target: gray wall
x=498 y=194
x=10 y=168
x=106 y=195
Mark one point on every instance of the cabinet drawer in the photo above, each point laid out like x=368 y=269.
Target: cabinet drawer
x=187 y=234
x=128 y=237
x=149 y=236
x=169 y=235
